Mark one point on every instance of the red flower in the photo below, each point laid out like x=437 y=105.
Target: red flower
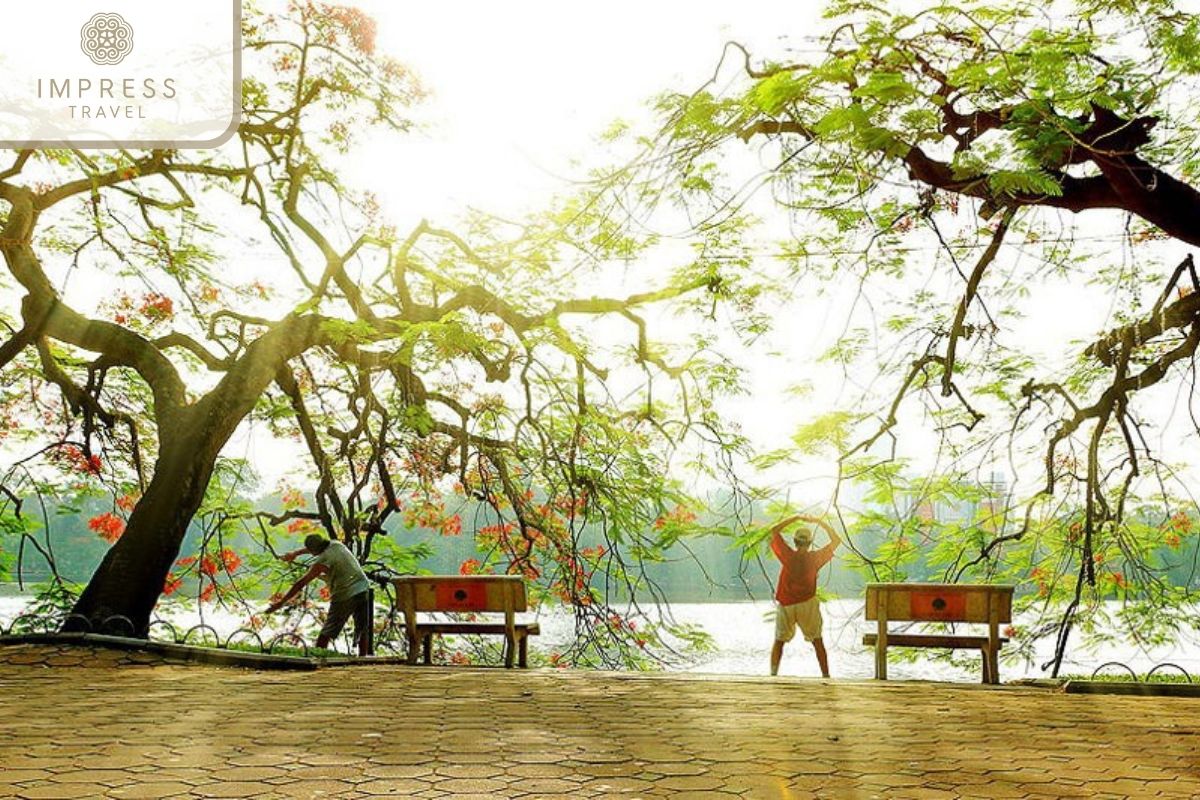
x=186 y=562
x=293 y=498
x=75 y=458
x=156 y=307
x=172 y=584
x=208 y=566
x=451 y=526
x=207 y=592
x=324 y=593
x=358 y=25
x=108 y=525
x=469 y=567
x=230 y=560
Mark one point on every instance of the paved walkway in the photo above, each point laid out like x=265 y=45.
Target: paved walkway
x=89 y=727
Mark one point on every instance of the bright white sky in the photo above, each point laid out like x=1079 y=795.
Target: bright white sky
x=519 y=92
x=520 y=89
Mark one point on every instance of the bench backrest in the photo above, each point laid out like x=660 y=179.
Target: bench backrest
x=939 y=602
x=464 y=593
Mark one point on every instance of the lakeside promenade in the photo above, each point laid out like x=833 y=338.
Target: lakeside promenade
x=83 y=723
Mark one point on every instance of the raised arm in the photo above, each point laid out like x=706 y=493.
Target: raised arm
x=778 y=545
x=835 y=538
x=313 y=573
x=292 y=556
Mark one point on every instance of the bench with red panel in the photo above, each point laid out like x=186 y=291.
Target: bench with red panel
x=939 y=602
x=466 y=594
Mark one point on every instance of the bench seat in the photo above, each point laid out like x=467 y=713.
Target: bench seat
x=427 y=630
x=531 y=629
x=932 y=640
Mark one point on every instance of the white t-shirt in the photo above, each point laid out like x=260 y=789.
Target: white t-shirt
x=346 y=577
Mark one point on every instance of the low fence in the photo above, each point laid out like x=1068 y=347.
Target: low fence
x=388 y=637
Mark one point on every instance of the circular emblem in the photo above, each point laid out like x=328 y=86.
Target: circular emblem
x=106 y=38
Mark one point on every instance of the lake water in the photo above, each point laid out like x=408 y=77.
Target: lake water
x=743 y=633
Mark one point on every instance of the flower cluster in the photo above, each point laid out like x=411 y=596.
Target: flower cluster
x=594 y=553
x=149 y=309
x=156 y=307
x=357 y=25
x=301 y=526
x=675 y=518
x=108 y=526
x=208 y=569
x=74 y=458
x=428 y=514
x=292 y=499
x=172 y=585
x=8 y=423
x=230 y=560
x=472 y=566
x=1040 y=575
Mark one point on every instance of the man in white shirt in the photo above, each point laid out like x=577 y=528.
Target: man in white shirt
x=349 y=594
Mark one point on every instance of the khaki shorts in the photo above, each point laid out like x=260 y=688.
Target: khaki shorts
x=806 y=616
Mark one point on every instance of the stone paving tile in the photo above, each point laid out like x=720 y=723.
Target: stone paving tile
x=95 y=726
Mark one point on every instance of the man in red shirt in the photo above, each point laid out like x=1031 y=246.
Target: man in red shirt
x=796 y=592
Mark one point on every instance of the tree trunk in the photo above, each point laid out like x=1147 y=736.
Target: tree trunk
x=131 y=576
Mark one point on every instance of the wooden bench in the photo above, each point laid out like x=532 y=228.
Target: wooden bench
x=939 y=602
x=467 y=594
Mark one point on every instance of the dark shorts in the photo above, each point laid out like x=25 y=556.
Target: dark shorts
x=341 y=610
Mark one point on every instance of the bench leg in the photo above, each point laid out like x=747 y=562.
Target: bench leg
x=993 y=658
x=987 y=667
x=428 y=649
x=510 y=650
x=881 y=638
x=523 y=652
x=414 y=649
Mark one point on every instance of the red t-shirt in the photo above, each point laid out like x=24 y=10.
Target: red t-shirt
x=798 y=578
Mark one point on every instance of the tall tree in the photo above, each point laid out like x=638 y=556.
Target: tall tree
x=912 y=145
x=395 y=359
